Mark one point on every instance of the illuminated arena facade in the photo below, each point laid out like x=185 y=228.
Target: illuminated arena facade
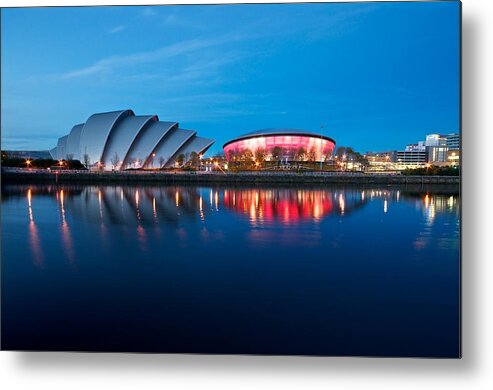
x=120 y=140
x=290 y=141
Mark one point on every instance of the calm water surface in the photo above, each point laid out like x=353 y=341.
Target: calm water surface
x=331 y=271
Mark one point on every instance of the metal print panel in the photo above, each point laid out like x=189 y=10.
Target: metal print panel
x=311 y=208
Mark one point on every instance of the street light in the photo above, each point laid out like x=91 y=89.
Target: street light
x=321 y=149
x=28 y=162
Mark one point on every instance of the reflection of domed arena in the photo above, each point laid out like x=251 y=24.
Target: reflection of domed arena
x=286 y=144
x=122 y=140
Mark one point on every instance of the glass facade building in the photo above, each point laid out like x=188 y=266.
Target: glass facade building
x=286 y=144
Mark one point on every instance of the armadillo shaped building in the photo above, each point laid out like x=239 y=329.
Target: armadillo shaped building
x=121 y=140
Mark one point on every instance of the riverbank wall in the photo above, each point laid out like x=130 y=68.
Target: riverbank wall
x=291 y=178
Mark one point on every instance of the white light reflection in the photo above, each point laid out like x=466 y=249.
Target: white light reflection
x=66 y=236
x=100 y=205
x=34 y=240
x=342 y=203
x=201 y=208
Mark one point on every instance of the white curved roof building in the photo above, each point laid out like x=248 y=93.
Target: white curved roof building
x=121 y=140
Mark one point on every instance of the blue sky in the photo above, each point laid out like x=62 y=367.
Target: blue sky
x=376 y=75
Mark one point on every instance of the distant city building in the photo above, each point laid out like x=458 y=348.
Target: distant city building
x=30 y=154
x=411 y=158
x=437 y=154
x=419 y=147
x=436 y=147
x=453 y=141
x=436 y=140
x=380 y=161
x=453 y=157
x=121 y=140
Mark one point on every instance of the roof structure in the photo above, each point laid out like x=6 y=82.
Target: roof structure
x=121 y=140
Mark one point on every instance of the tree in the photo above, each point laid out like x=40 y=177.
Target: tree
x=345 y=154
x=219 y=156
x=246 y=157
x=233 y=155
x=162 y=160
x=300 y=154
x=131 y=162
x=276 y=153
x=180 y=159
x=115 y=160
x=260 y=155
x=311 y=155
x=87 y=160
x=70 y=156
x=361 y=160
x=194 y=159
x=328 y=155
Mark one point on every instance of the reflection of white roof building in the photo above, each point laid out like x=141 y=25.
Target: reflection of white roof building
x=120 y=140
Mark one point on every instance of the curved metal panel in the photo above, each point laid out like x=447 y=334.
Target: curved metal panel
x=53 y=153
x=73 y=142
x=142 y=141
x=168 y=146
x=121 y=138
x=145 y=143
x=195 y=144
x=96 y=131
x=62 y=147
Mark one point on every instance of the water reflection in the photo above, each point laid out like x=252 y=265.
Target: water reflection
x=290 y=206
x=431 y=206
x=170 y=268
x=34 y=240
x=67 y=241
x=150 y=205
x=146 y=207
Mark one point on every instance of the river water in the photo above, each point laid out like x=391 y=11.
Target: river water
x=366 y=271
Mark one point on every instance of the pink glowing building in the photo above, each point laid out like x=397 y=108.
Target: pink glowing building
x=291 y=145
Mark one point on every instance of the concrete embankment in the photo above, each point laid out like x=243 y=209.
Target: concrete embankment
x=25 y=176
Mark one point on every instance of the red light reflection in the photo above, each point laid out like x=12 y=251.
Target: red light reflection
x=289 y=206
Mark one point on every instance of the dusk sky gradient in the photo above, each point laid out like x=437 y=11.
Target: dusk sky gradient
x=377 y=76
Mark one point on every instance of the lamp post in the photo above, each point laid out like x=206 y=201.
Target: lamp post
x=321 y=148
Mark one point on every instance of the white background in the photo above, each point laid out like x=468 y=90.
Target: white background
x=474 y=371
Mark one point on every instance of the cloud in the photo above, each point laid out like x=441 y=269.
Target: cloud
x=110 y=64
x=173 y=20
x=148 y=11
x=281 y=27
x=116 y=29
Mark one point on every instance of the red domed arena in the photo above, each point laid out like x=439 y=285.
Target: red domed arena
x=285 y=144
